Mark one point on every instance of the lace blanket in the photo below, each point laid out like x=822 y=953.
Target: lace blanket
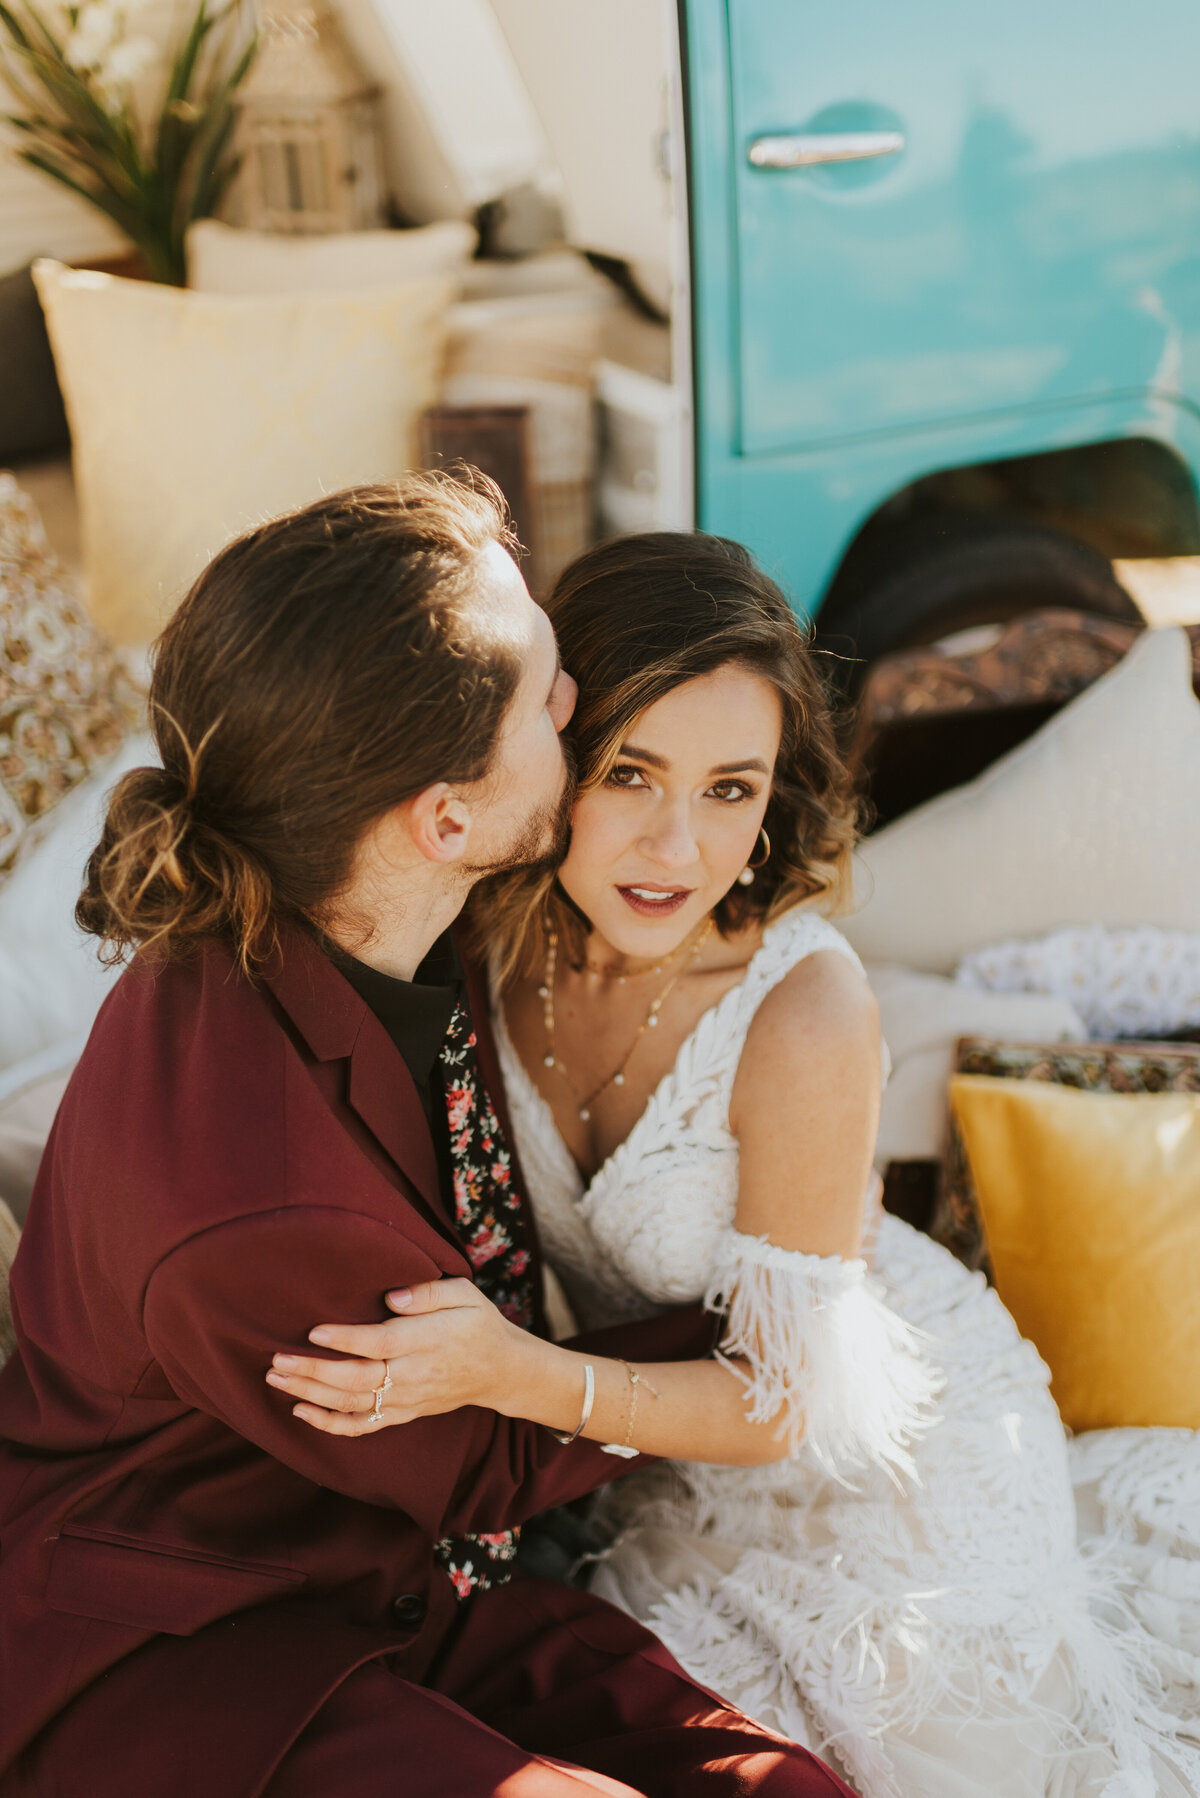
x=1138 y=982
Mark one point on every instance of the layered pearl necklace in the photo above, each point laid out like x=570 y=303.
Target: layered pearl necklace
x=688 y=951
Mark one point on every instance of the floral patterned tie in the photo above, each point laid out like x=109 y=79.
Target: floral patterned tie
x=492 y=1223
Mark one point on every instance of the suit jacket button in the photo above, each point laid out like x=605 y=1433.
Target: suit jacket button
x=409 y=1610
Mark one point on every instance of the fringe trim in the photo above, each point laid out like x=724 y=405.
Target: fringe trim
x=824 y=1354
x=859 y=1674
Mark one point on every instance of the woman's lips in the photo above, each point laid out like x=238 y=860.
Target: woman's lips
x=652 y=902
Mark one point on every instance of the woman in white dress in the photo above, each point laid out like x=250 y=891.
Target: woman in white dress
x=872 y=1532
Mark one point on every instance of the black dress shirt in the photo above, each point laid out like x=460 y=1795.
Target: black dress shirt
x=416 y=1014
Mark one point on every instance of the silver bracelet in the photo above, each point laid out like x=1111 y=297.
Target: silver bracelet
x=589 y=1399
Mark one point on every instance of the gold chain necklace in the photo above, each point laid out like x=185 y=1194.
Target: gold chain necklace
x=551 y=1059
x=627 y=973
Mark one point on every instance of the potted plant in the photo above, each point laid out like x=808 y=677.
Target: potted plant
x=153 y=171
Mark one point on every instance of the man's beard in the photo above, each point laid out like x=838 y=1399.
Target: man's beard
x=542 y=840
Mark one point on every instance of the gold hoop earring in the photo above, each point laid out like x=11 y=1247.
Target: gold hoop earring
x=746 y=877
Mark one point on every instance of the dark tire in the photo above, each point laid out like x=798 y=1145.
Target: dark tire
x=919 y=583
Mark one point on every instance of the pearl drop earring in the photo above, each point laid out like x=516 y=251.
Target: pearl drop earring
x=746 y=877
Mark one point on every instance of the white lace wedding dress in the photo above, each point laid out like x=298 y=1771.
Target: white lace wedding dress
x=937 y=1590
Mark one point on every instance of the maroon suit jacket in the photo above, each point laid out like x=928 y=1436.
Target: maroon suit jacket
x=233 y=1162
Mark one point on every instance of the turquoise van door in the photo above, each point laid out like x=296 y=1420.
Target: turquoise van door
x=948 y=209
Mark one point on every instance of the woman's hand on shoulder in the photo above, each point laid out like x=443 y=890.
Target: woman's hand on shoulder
x=805 y=1108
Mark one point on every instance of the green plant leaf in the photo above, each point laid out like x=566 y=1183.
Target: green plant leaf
x=38 y=32
x=79 y=109
x=209 y=168
x=241 y=67
x=13 y=27
x=207 y=177
x=184 y=65
x=126 y=217
x=152 y=189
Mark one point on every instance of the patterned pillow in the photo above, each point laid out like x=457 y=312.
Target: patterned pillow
x=66 y=701
x=1127 y=1067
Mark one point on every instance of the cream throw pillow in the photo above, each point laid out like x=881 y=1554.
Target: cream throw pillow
x=922 y=1017
x=52 y=983
x=222 y=259
x=1091 y=821
x=30 y=1095
x=194 y=416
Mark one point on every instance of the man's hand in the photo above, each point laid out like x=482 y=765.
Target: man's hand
x=448 y=1346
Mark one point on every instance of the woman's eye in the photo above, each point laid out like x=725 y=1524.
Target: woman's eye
x=731 y=791
x=625 y=775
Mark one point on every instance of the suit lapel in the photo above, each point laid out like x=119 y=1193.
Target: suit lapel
x=338 y=1025
x=382 y=1091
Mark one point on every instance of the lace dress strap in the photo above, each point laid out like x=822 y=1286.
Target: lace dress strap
x=787 y=942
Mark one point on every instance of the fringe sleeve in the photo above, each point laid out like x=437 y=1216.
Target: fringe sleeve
x=821 y=1345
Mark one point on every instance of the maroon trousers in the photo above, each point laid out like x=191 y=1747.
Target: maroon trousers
x=545 y=1693
x=542 y=1691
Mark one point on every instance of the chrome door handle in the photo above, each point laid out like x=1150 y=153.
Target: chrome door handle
x=801 y=151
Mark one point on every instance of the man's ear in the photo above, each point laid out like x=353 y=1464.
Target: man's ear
x=439 y=823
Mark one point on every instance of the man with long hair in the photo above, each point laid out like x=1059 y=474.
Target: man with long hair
x=288 y=1107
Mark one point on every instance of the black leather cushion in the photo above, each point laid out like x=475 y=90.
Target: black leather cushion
x=32 y=420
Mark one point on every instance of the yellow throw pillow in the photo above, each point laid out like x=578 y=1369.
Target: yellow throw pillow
x=196 y=415
x=1091 y=1204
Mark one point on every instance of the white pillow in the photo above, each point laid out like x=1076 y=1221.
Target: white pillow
x=51 y=984
x=9 y=1240
x=30 y=1095
x=922 y=1017
x=1091 y=821
x=222 y=259
x=196 y=415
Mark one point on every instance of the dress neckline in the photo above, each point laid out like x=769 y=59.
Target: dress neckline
x=586 y=1189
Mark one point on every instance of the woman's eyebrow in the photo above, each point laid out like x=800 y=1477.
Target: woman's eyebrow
x=753 y=764
x=643 y=755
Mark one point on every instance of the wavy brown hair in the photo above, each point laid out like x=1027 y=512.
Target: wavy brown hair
x=636 y=617
x=324 y=668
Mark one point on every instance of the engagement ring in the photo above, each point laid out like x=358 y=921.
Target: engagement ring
x=376 y=1416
